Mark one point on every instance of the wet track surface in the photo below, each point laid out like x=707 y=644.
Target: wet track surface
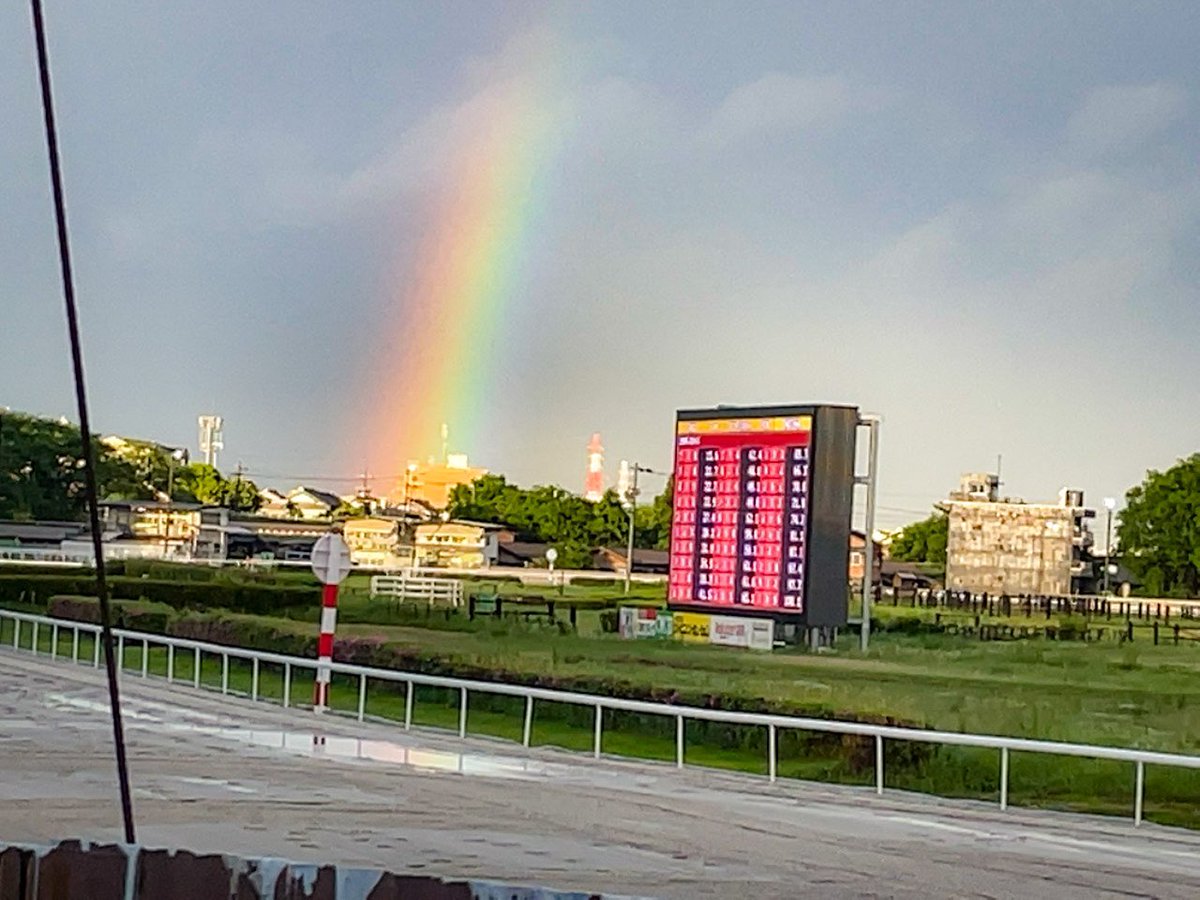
x=216 y=773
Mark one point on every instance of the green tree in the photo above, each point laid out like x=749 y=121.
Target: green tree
x=42 y=469
x=553 y=515
x=654 y=521
x=202 y=483
x=923 y=541
x=1159 y=532
x=151 y=463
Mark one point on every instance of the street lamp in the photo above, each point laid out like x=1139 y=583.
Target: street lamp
x=175 y=456
x=631 y=495
x=1110 y=503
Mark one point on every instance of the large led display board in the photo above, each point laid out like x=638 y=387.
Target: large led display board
x=761 y=514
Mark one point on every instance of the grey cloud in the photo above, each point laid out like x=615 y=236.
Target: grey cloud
x=1120 y=118
x=780 y=102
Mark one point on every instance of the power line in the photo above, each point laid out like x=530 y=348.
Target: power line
x=85 y=431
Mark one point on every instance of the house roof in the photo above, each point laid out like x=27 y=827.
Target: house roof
x=641 y=556
x=274 y=527
x=486 y=526
x=176 y=505
x=528 y=550
x=893 y=567
x=40 y=532
x=333 y=501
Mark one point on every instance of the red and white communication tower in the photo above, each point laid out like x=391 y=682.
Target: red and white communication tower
x=593 y=484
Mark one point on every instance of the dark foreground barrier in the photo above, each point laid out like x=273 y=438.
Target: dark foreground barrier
x=75 y=870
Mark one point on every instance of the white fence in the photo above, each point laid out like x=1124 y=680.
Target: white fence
x=26 y=630
x=39 y=556
x=405 y=587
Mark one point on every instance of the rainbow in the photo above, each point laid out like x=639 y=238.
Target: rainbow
x=468 y=277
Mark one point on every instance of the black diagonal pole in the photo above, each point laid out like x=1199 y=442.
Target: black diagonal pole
x=85 y=431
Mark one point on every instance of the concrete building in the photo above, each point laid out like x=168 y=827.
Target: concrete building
x=166 y=529
x=1007 y=546
x=858 y=560
x=459 y=544
x=378 y=541
x=431 y=484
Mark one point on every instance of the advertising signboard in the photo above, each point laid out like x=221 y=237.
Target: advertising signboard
x=691 y=627
x=761 y=515
x=697 y=628
x=741 y=631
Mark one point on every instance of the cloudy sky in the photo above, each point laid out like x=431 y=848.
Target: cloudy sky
x=978 y=220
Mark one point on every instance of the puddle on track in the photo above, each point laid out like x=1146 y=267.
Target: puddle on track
x=316 y=742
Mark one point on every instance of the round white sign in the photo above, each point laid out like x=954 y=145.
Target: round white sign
x=551 y=555
x=330 y=559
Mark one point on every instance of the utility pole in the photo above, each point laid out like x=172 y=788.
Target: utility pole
x=631 y=495
x=870 y=480
x=237 y=484
x=1110 y=503
x=178 y=455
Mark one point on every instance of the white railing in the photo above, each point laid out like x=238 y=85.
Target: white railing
x=681 y=714
x=44 y=556
x=407 y=587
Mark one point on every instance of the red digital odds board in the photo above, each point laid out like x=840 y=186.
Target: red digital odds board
x=740 y=521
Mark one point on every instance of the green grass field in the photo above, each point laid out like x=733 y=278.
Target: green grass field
x=1133 y=695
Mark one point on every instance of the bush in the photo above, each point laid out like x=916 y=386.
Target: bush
x=600 y=582
x=854 y=754
x=610 y=621
x=260 y=599
x=131 y=614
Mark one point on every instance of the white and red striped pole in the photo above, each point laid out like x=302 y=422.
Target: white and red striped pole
x=330 y=563
x=329 y=595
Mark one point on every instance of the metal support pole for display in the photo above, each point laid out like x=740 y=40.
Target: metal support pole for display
x=631 y=496
x=870 y=480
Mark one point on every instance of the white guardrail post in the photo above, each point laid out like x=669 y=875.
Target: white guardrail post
x=1003 y=778
x=679 y=740
x=599 y=726
x=878 y=733
x=771 y=753
x=879 y=764
x=1139 y=792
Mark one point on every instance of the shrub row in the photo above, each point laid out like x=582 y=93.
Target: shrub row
x=135 y=615
x=259 y=599
x=855 y=754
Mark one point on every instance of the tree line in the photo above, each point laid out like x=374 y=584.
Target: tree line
x=42 y=472
x=553 y=515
